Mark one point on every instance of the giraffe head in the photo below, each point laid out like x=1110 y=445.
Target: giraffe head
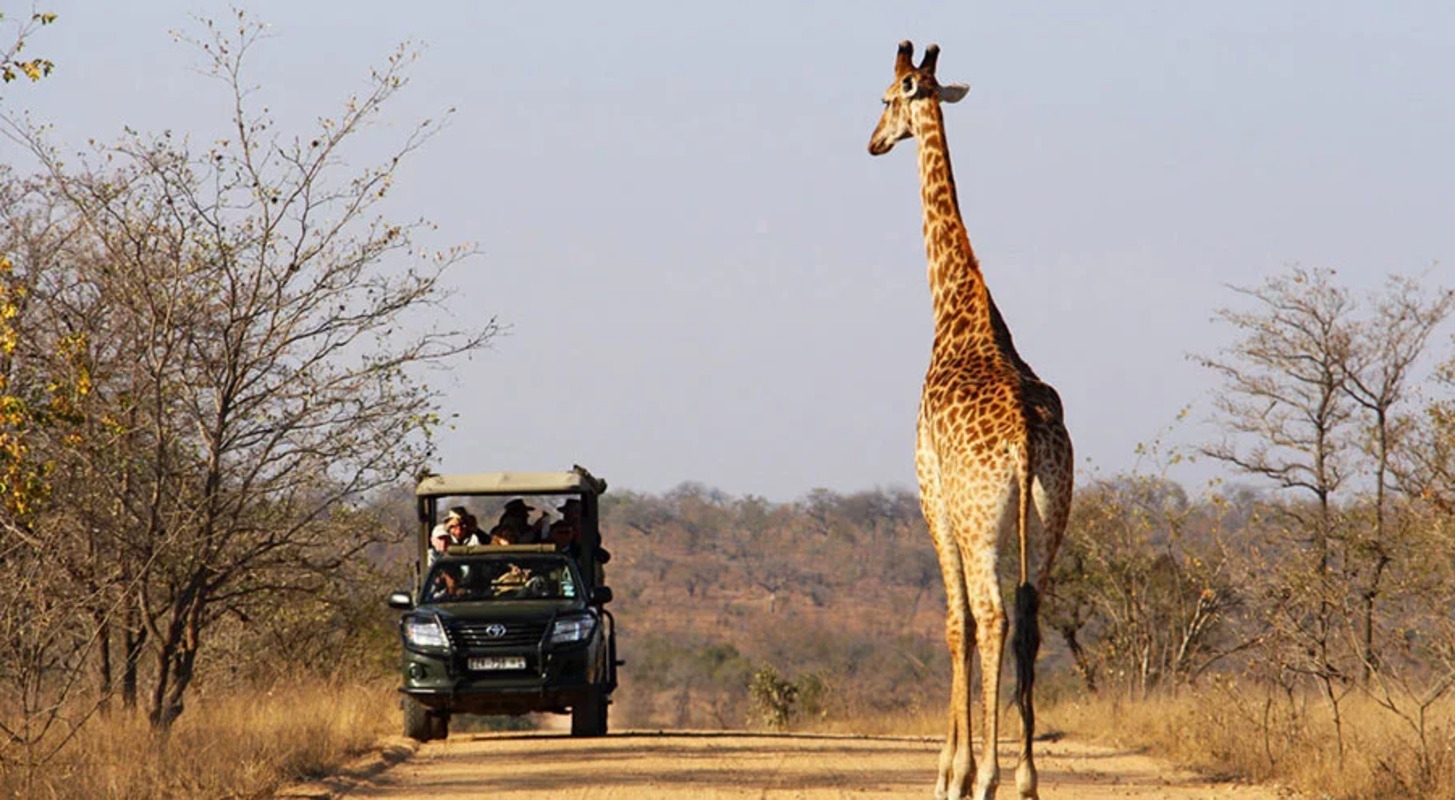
x=912 y=86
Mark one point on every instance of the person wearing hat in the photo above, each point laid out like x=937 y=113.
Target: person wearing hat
x=458 y=528
x=565 y=533
x=515 y=526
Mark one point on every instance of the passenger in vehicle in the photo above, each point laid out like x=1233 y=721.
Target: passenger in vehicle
x=470 y=529
x=458 y=528
x=565 y=533
x=515 y=526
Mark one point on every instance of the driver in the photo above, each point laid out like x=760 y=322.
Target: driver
x=448 y=583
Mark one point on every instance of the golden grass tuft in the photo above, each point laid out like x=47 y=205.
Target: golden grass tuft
x=1233 y=730
x=908 y=722
x=245 y=745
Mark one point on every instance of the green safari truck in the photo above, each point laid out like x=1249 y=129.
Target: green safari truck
x=508 y=628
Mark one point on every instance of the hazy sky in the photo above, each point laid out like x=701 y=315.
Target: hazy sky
x=708 y=278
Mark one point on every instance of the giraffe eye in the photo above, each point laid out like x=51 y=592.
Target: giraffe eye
x=907 y=85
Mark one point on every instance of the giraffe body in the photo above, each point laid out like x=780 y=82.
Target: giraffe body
x=992 y=454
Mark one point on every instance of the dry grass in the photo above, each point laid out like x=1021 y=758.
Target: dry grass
x=1232 y=729
x=917 y=722
x=249 y=745
x=240 y=746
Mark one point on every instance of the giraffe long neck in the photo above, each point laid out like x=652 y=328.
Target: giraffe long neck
x=963 y=309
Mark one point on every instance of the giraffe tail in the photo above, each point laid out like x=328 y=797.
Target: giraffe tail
x=1023 y=513
x=1026 y=638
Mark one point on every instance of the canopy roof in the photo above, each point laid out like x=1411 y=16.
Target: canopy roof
x=575 y=481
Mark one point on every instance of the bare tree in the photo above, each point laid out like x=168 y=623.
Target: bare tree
x=258 y=367
x=1313 y=397
x=1386 y=349
x=1290 y=422
x=1425 y=467
x=1285 y=404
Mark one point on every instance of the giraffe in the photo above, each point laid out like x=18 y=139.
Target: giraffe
x=992 y=454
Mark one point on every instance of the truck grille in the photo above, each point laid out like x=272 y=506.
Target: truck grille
x=478 y=635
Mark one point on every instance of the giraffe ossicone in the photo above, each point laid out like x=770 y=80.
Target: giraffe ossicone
x=992 y=454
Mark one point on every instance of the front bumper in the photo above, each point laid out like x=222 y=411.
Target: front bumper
x=551 y=681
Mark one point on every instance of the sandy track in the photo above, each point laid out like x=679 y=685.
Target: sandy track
x=652 y=765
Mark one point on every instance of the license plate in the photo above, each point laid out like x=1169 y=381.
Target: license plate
x=486 y=663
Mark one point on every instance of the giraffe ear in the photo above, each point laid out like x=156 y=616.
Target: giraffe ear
x=953 y=93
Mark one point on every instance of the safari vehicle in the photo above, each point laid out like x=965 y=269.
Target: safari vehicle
x=507 y=629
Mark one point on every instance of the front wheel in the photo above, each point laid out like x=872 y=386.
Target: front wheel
x=439 y=724
x=588 y=718
x=416 y=720
x=422 y=724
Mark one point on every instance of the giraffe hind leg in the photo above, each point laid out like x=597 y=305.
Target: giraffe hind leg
x=957 y=758
x=991 y=647
x=989 y=615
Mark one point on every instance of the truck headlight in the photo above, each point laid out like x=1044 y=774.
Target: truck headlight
x=573 y=629
x=425 y=632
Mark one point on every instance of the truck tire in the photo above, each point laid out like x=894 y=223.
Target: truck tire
x=439 y=724
x=417 y=724
x=588 y=718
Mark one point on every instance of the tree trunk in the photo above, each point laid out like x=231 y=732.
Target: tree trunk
x=1084 y=667
x=175 y=665
x=103 y=653
x=134 y=636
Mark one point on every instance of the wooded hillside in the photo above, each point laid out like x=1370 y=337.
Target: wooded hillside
x=838 y=595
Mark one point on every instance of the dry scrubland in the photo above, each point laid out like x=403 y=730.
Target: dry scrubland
x=817 y=616
x=240 y=745
x=821 y=615
x=245 y=744
x=249 y=745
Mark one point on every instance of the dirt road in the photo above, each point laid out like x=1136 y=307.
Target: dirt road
x=653 y=765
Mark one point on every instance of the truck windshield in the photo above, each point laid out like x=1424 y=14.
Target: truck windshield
x=503 y=578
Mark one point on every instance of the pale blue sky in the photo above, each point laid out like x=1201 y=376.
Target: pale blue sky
x=709 y=279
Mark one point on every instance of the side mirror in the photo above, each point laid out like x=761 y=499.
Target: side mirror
x=601 y=595
x=401 y=601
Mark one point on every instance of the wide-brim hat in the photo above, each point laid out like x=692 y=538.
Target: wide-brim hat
x=518 y=505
